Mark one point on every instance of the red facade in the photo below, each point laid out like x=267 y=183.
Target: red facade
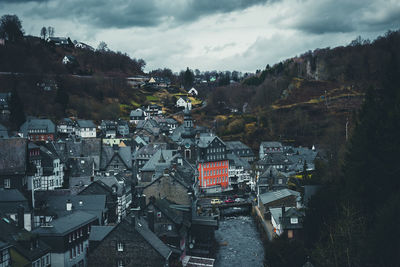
x=41 y=137
x=214 y=173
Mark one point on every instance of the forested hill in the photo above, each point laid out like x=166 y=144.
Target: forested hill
x=307 y=99
x=34 y=55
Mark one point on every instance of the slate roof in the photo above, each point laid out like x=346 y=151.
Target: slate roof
x=66 y=224
x=206 y=139
x=234 y=145
x=3 y=132
x=93 y=204
x=276 y=195
x=80 y=166
x=143 y=229
x=154 y=161
x=86 y=124
x=11 y=199
x=11 y=234
x=238 y=161
x=38 y=124
x=137 y=113
x=108 y=153
x=98 y=233
x=271 y=144
x=75 y=148
x=13 y=156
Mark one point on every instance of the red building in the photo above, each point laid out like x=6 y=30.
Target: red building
x=38 y=129
x=213 y=164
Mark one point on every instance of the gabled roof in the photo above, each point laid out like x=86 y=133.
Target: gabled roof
x=152 y=163
x=13 y=156
x=37 y=124
x=276 y=195
x=271 y=144
x=233 y=145
x=143 y=229
x=206 y=139
x=11 y=234
x=11 y=200
x=98 y=233
x=238 y=161
x=137 y=113
x=86 y=124
x=108 y=153
x=66 y=224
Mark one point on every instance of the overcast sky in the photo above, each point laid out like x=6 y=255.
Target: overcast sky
x=209 y=34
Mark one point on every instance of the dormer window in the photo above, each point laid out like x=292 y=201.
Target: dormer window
x=294 y=220
x=120 y=246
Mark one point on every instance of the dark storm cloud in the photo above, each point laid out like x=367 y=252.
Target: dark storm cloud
x=131 y=13
x=342 y=16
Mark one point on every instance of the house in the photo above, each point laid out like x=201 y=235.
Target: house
x=153 y=110
x=81 y=171
x=137 y=115
x=66 y=127
x=38 y=129
x=193 y=92
x=287 y=219
x=160 y=161
x=68 y=59
x=50 y=170
x=5 y=259
x=49 y=207
x=83 y=46
x=122 y=128
x=270 y=148
x=167 y=125
x=25 y=248
x=59 y=41
x=279 y=161
x=279 y=198
x=14 y=166
x=108 y=128
x=130 y=243
x=68 y=238
x=274 y=179
x=16 y=206
x=170 y=222
x=117 y=192
x=86 y=129
x=172 y=185
x=148 y=127
x=115 y=159
x=240 y=149
x=238 y=168
x=213 y=164
x=184 y=102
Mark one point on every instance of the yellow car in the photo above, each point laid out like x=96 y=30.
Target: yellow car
x=216 y=201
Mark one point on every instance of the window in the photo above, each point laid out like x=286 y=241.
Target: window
x=169 y=227
x=70 y=253
x=120 y=246
x=47 y=259
x=7 y=183
x=294 y=220
x=69 y=238
x=120 y=263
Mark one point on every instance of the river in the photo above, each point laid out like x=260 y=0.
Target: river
x=240 y=243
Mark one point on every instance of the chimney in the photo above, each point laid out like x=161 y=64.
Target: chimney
x=20 y=217
x=69 y=205
x=150 y=220
x=133 y=220
x=283 y=213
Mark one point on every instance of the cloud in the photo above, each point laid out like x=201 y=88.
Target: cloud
x=132 y=13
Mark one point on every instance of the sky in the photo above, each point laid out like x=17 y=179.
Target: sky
x=209 y=34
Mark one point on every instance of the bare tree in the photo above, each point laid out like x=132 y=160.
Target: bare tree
x=43 y=32
x=50 y=31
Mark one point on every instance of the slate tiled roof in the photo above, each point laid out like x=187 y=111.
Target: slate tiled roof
x=108 y=153
x=13 y=156
x=271 y=144
x=38 y=124
x=11 y=234
x=93 y=204
x=151 y=165
x=66 y=224
x=276 y=195
x=11 y=199
x=98 y=233
x=86 y=124
x=237 y=161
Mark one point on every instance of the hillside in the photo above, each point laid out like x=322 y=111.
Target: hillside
x=303 y=99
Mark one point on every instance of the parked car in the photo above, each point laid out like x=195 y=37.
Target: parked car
x=229 y=200
x=216 y=201
x=238 y=200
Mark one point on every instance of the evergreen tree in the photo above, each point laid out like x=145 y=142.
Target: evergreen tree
x=17 y=115
x=188 y=79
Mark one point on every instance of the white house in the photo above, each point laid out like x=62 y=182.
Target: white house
x=137 y=115
x=184 y=102
x=68 y=59
x=193 y=92
x=86 y=128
